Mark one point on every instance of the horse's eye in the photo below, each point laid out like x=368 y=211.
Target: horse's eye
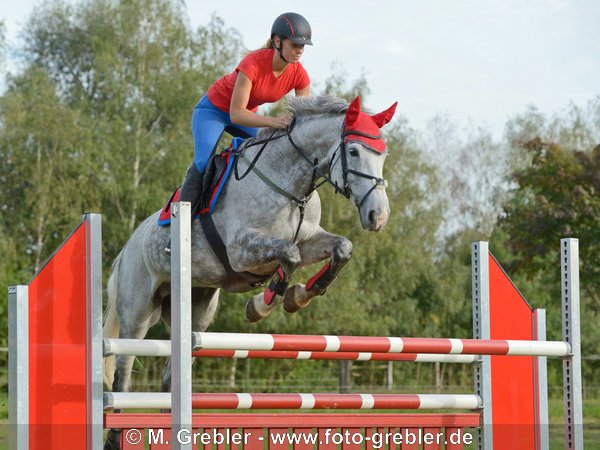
x=353 y=152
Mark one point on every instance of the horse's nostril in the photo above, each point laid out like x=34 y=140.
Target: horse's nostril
x=372 y=216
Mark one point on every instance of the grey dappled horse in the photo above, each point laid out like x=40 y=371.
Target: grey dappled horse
x=259 y=225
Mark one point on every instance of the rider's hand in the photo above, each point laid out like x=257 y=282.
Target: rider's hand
x=282 y=121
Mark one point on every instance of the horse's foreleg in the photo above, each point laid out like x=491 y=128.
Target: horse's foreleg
x=261 y=305
x=257 y=250
x=321 y=246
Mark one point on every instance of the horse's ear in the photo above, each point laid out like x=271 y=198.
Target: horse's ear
x=384 y=117
x=353 y=111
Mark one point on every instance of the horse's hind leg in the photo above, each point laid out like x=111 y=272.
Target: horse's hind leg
x=321 y=246
x=135 y=319
x=204 y=306
x=122 y=380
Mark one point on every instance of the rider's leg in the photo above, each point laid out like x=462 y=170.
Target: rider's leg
x=208 y=124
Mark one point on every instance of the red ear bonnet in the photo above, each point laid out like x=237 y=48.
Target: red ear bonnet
x=384 y=117
x=353 y=111
x=360 y=126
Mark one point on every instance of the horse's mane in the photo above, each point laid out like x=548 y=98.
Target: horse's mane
x=311 y=106
x=321 y=104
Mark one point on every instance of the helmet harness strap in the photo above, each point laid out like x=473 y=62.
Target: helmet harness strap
x=279 y=49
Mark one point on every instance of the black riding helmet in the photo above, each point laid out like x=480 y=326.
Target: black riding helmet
x=294 y=27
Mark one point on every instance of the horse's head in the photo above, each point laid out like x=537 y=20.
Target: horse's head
x=358 y=172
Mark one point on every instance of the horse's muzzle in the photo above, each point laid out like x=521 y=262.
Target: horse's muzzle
x=374 y=219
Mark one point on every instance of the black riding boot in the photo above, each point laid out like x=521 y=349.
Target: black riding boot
x=191 y=191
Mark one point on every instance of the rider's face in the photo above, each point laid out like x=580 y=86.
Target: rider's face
x=291 y=52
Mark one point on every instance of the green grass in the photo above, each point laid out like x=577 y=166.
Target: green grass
x=591 y=414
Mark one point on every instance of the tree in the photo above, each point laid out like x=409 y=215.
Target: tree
x=47 y=175
x=98 y=120
x=472 y=171
x=557 y=196
x=117 y=83
x=577 y=127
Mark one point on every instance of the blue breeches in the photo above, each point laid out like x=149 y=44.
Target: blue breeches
x=208 y=124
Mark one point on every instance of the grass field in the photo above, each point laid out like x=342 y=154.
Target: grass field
x=591 y=414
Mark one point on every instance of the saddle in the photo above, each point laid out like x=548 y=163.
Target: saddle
x=216 y=174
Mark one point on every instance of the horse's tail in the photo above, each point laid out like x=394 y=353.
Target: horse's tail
x=111 y=323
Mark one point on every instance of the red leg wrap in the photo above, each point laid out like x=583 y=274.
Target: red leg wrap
x=322 y=277
x=278 y=285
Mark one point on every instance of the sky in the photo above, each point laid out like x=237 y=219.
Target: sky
x=478 y=61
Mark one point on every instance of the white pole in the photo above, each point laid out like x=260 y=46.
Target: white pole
x=137 y=347
x=480 y=274
x=181 y=323
x=18 y=367
x=95 y=418
x=569 y=263
x=541 y=385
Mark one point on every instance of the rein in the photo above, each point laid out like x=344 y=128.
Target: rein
x=301 y=202
x=346 y=190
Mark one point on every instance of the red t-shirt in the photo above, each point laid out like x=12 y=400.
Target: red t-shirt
x=266 y=88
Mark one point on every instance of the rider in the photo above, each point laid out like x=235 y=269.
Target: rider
x=263 y=76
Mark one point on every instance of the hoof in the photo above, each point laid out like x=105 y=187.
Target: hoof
x=296 y=298
x=251 y=313
x=257 y=309
x=113 y=438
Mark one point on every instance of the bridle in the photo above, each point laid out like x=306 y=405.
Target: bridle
x=345 y=190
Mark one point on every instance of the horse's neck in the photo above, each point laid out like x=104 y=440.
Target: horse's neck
x=315 y=137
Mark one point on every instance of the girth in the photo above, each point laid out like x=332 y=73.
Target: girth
x=235 y=281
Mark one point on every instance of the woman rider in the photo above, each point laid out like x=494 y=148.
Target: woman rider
x=263 y=76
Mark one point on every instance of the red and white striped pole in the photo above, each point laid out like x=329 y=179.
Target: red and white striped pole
x=281 y=342
x=161 y=400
